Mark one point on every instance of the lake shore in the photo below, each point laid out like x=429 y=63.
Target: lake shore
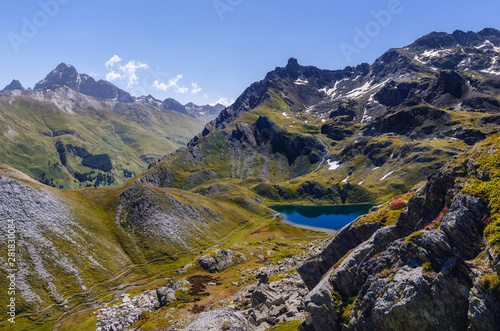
x=308 y=227
x=327 y=219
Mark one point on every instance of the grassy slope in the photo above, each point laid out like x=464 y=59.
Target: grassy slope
x=94 y=210
x=132 y=138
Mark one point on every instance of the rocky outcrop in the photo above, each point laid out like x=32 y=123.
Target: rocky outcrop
x=166 y=295
x=222 y=260
x=120 y=316
x=271 y=303
x=218 y=319
x=346 y=239
x=414 y=274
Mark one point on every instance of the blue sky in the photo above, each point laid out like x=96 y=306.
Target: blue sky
x=211 y=50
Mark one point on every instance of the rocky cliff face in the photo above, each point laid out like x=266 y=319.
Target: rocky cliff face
x=426 y=271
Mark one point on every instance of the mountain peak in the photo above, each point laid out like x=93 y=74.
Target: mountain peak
x=67 y=75
x=14 y=85
x=488 y=32
x=64 y=66
x=437 y=40
x=292 y=62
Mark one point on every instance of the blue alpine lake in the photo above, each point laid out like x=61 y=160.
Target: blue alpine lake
x=323 y=217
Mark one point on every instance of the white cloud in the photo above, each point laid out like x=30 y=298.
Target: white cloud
x=195 y=88
x=182 y=90
x=112 y=75
x=129 y=72
x=172 y=83
x=205 y=95
x=223 y=101
x=114 y=60
x=160 y=86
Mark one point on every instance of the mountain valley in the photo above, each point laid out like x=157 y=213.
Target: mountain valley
x=73 y=132
x=182 y=234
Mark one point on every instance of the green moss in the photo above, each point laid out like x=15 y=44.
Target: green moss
x=388 y=213
x=427 y=267
x=491 y=283
x=343 y=307
x=411 y=238
x=287 y=326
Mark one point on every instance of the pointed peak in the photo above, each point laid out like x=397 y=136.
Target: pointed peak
x=14 y=85
x=65 y=67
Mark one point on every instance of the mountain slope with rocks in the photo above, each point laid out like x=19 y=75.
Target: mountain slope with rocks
x=74 y=246
x=437 y=266
x=379 y=128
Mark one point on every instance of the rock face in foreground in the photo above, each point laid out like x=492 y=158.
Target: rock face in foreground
x=422 y=273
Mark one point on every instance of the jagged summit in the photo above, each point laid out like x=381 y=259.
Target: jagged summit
x=67 y=75
x=467 y=39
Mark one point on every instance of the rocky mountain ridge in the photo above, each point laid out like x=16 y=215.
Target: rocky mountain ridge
x=395 y=121
x=99 y=123
x=65 y=75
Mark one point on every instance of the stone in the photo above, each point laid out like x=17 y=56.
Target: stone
x=165 y=295
x=222 y=260
x=264 y=294
x=275 y=237
x=220 y=319
x=261 y=313
x=262 y=277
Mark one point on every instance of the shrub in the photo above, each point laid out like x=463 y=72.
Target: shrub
x=491 y=283
x=61 y=149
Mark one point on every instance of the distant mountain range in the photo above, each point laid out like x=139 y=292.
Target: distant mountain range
x=67 y=75
x=71 y=131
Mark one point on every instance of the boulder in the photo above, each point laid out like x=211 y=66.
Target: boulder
x=265 y=295
x=220 y=319
x=222 y=260
x=165 y=295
